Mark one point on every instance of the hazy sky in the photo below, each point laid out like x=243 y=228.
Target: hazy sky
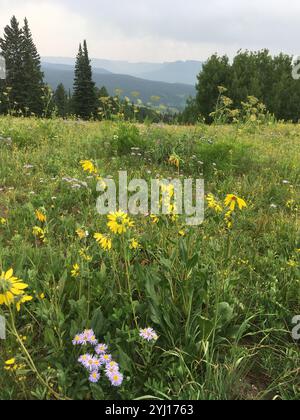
x=158 y=30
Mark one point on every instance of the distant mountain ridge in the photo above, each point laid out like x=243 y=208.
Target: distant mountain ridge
x=172 y=95
x=170 y=72
x=178 y=72
x=68 y=67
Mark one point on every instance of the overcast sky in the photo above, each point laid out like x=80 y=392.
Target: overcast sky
x=158 y=30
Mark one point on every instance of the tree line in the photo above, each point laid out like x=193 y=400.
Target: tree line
x=257 y=74
x=24 y=91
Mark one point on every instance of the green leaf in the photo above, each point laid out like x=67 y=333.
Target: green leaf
x=98 y=322
x=225 y=313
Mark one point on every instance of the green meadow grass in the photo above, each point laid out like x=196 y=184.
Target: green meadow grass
x=222 y=301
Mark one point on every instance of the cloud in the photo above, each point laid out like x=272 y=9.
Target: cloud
x=159 y=30
x=56 y=29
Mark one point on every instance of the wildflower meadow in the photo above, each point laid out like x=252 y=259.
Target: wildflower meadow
x=122 y=306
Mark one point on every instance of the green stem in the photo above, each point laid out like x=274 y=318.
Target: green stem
x=129 y=284
x=29 y=359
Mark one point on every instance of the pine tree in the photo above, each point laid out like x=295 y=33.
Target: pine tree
x=33 y=84
x=11 y=46
x=84 y=98
x=61 y=100
x=24 y=75
x=103 y=93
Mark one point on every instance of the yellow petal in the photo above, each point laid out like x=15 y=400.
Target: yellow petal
x=9 y=274
x=242 y=203
x=26 y=299
x=10 y=362
x=20 y=286
x=8 y=298
x=16 y=292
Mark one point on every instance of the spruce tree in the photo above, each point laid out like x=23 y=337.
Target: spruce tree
x=84 y=98
x=24 y=75
x=103 y=93
x=61 y=100
x=33 y=76
x=11 y=48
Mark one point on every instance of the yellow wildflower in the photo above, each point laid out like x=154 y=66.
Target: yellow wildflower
x=76 y=271
x=291 y=204
x=174 y=160
x=292 y=263
x=84 y=255
x=119 y=222
x=134 y=244
x=213 y=203
x=39 y=233
x=154 y=219
x=232 y=200
x=88 y=166
x=20 y=301
x=82 y=234
x=3 y=221
x=228 y=219
x=10 y=287
x=174 y=217
x=104 y=241
x=10 y=362
x=41 y=217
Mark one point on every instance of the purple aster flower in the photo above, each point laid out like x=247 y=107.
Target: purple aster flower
x=77 y=340
x=93 y=341
x=94 y=377
x=111 y=368
x=85 y=337
x=88 y=336
x=89 y=332
x=101 y=349
x=84 y=359
x=106 y=358
x=96 y=363
x=92 y=363
x=116 y=379
x=149 y=334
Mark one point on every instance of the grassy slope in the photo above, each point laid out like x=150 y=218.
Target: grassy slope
x=239 y=350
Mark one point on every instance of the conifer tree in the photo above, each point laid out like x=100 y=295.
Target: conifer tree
x=103 y=93
x=61 y=100
x=24 y=75
x=84 y=98
x=33 y=76
x=11 y=48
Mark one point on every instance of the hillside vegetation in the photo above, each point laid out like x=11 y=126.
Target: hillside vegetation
x=221 y=296
x=172 y=95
